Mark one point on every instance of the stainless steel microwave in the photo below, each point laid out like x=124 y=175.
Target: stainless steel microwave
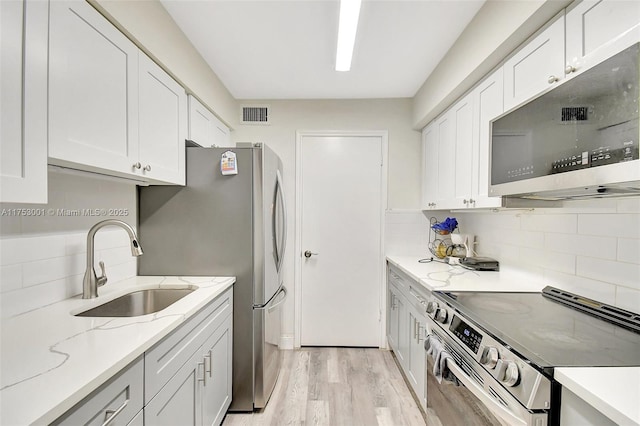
x=575 y=141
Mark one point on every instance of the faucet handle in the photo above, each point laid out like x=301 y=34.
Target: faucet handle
x=102 y=280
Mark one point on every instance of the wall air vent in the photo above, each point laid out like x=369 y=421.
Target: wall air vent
x=574 y=113
x=256 y=114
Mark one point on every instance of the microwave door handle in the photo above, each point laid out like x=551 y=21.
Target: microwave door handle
x=493 y=405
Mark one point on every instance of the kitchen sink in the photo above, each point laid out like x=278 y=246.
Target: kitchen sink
x=141 y=302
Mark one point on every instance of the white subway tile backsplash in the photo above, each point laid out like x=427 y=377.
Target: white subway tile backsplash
x=629 y=250
x=585 y=245
x=557 y=223
x=593 y=289
x=27 y=299
x=629 y=205
x=10 y=277
x=522 y=238
x=546 y=259
x=619 y=273
x=621 y=225
x=42 y=271
x=628 y=298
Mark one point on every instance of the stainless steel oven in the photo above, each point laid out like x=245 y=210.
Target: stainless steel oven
x=501 y=348
x=471 y=396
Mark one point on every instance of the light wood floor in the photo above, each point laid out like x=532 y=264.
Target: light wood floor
x=336 y=386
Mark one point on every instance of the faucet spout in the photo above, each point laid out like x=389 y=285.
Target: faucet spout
x=91 y=281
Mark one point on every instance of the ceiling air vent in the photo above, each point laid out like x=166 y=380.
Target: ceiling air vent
x=574 y=113
x=255 y=114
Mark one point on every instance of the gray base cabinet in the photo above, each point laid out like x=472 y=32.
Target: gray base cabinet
x=407 y=328
x=185 y=379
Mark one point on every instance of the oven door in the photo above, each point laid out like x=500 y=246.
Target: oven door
x=478 y=399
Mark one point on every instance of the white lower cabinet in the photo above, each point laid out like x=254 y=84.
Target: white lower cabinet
x=185 y=379
x=406 y=329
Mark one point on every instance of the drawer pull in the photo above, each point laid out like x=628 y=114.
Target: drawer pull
x=110 y=415
x=207 y=365
x=204 y=373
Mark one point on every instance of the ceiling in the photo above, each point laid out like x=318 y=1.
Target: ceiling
x=275 y=49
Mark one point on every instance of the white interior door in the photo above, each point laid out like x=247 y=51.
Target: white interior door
x=341 y=211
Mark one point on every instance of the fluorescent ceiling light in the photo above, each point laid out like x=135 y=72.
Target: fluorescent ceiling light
x=349 y=13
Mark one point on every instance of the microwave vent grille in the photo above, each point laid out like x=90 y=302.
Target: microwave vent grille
x=574 y=113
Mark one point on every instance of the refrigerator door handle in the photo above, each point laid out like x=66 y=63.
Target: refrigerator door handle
x=279 y=242
x=283 y=290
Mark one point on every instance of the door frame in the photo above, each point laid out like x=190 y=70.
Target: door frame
x=384 y=136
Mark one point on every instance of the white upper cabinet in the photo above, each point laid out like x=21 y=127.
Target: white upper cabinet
x=111 y=109
x=487 y=105
x=537 y=66
x=463 y=142
x=205 y=128
x=446 y=159
x=93 y=91
x=23 y=97
x=162 y=124
x=429 y=166
x=598 y=29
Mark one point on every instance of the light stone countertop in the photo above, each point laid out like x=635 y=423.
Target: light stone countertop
x=440 y=276
x=614 y=391
x=51 y=359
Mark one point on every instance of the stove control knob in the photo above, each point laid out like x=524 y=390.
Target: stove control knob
x=511 y=375
x=441 y=316
x=432 y=307
x=489 y=357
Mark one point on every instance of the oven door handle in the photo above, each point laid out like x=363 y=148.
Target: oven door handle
x=489 y=402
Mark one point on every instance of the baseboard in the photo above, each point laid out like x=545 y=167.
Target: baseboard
x=286 y=342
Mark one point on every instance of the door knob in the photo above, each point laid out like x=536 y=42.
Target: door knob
x=308 y=254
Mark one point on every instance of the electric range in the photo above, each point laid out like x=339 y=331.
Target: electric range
x=509 y=343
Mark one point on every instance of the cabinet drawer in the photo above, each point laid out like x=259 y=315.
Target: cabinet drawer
x=119 y=399
x=397 y=278
x=167 y=357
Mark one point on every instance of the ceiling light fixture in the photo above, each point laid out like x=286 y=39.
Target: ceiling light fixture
x=349 y=13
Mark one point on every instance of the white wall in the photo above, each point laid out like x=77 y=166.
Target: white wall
x=43 y=250
x=498 y=28
x=591 y=248
x=150 y=26
x=287 y=117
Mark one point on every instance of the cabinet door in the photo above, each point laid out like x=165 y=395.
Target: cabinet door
x=488 y=104
x=417 y=356
x=463 y=158
x=178 y=402
x=205 y=128
x=537 y=66
x=598 y=29
x=23 y=96
x=163 y=124
x=216 y=390
x=93 y=91
x=429 y=166
x=446 y=160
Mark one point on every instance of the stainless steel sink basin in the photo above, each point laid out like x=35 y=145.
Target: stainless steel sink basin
x=141 y=302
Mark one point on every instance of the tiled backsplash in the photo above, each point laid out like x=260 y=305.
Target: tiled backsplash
x=587 y=247
x=43 y=257
x=406 y=232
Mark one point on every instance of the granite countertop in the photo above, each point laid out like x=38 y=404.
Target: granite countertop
x=51 y=359
x=614 y=391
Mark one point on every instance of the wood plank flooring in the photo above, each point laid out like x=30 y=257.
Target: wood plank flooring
x=336 y=386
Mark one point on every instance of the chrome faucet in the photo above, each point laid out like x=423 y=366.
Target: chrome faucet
x=91 y=281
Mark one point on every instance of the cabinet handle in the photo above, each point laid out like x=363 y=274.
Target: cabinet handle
x=552 y=79
x=110 y=415
x=418 y=336
x=204 y=375
x=207 y=357
x=415 y=329
x=137 y=165
x=465 y=201
x=472 y=201
x=569 y=69
x=147 y=168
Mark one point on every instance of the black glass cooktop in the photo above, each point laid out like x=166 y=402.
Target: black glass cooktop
x=546 y=332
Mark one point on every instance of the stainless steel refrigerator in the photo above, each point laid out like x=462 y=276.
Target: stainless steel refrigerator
x=227 y=225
